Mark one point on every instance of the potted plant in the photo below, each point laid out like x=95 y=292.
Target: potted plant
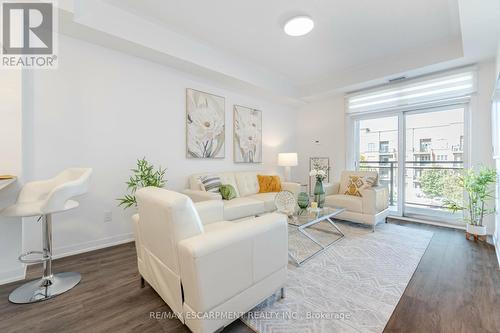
x=144 y=175
x=477 y=188
x=319 y=192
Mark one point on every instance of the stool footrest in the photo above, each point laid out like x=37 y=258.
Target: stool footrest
x=43 y=257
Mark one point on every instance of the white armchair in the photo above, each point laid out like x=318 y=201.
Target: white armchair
x=371 y=208
x=203 y=266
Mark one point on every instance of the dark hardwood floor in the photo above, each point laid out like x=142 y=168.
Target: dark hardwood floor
x=456 y=288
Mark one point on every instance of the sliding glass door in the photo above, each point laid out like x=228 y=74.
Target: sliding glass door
x=434 y=157
x=419 y=155
x=378 y=151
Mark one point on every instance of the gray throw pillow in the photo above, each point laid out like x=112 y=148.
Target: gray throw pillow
x=211 y=183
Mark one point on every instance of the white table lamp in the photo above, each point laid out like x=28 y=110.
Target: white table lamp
x=287 y=160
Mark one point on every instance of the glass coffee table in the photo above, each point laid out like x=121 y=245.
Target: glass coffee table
x=309 y=219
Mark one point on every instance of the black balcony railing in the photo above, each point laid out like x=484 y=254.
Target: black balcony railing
x=387 y=173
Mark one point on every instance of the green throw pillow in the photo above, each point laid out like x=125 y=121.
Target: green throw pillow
x=228 y=192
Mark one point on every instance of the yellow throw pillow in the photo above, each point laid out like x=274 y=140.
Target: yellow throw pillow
x=357 y=183
x=269 y=184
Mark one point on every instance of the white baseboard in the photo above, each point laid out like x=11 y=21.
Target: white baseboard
x=436 y=223
x=20 y=274
x=92 y=245
x=13 y=275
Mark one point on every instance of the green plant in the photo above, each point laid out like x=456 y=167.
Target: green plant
x=432 y=182
x=144 y=175
x=436 y=183
x=477 y=187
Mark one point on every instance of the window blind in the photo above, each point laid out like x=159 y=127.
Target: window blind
x=426 y=90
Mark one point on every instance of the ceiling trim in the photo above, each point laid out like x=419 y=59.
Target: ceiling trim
x=102 y=24
x=121 y=29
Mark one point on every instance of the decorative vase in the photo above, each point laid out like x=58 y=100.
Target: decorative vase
x=319 y=193
x=303 y=200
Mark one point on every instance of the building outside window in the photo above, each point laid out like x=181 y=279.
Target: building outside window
x=425 y=145
x=442 y=158
x=384 y=146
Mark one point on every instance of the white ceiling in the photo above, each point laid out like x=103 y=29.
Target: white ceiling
x=355 y=43
x=347 y=34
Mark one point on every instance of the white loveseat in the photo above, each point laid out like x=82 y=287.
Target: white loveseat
x=371 y=208
x=207 y=269
x=248 y=201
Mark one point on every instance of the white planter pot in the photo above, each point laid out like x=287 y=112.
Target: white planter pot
x=479 y=230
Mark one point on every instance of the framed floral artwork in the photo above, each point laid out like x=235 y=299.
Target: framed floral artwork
x=205 y=125
x=247 y=135
x=319 y=163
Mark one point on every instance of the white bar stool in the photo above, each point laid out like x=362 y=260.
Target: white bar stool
x=43 y=198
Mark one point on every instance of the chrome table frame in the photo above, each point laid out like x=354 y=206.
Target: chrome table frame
x=302 y=229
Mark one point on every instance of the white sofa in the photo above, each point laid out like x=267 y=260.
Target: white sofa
x=203 y=266
x=371 y=208
x=248 y=201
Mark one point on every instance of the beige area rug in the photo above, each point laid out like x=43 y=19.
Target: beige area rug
x=352 y=287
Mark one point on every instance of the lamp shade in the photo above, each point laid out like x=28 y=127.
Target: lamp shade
x=287 y=159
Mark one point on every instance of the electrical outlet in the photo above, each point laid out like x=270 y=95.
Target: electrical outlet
x=108 y=216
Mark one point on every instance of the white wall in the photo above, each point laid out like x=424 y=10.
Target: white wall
x=10 y=239
x=104 y=109
x=10 y=163
x=325 y=120
x=496 y=130
x=10 y=124
x=480 y=116
x=480 y=143
x=497 y=72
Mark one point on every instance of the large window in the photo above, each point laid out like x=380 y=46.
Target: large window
x=426 y=91
x=430 y=179
x=430 y=156
x=418 y=128
x=380 y=132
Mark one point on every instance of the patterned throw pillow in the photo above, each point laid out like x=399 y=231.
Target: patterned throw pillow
x=210 y=183
x=371 y=181
x=357 y=183
x=269 y=184
x=228 y=192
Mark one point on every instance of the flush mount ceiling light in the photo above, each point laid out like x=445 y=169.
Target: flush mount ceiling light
x=298 y=26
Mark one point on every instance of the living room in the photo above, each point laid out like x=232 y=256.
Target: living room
x=228 y=166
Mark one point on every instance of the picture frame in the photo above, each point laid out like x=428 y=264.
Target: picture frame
x=247 y=135
x=324 y=163
x=205 y=125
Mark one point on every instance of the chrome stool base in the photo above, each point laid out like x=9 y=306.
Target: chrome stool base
x=50 y=284
x=42 y=289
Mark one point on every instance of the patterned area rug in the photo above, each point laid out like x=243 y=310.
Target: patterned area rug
x=352 y=287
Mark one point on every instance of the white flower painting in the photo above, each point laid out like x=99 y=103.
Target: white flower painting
x=247 y=142
x=205 y=125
